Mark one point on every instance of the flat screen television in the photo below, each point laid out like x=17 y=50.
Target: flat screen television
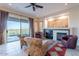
x=48 y=33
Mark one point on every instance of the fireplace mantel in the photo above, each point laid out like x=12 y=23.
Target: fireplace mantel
x=55 y=31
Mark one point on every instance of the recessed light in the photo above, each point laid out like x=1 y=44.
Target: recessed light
x=10 y=4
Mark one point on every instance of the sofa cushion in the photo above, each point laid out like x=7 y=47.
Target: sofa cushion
x=36 y=42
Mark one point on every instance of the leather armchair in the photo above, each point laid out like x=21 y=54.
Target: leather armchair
x=69 y=41
x=38 y=35
x=22 y=42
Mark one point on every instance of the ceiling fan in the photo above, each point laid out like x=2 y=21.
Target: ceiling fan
x=34 y=6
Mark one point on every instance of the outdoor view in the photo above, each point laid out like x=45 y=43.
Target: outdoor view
x=15 y=28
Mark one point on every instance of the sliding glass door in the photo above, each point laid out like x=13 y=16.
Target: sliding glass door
x=25 y=28
x=17 y=27
x=13 y=29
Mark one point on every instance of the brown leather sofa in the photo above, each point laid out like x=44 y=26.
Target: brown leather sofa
x=69 y=41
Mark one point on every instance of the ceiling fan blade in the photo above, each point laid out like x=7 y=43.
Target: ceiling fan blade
x=33 y=8
x=39 y=6
x=32 y=4
x=28 y=6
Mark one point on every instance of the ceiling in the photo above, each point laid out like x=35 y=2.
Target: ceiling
x=49 y=8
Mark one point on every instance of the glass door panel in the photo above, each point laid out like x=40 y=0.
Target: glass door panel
x=25 y=28
x=13 y=29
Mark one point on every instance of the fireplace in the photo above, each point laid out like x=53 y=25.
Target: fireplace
x=55 y=34
x=60 y=35
x=48 y=33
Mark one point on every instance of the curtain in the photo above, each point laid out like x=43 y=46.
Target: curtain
x=3 y=22
x=31 y=20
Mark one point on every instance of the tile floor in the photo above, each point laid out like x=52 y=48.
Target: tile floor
x=13 y=49
x=72 y=52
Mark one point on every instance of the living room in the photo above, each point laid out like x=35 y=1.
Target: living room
x=58 y=29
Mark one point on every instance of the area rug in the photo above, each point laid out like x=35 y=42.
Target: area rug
x=57 y=50
x=49 y=42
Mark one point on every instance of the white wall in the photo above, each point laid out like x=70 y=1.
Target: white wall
x=74 y=20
